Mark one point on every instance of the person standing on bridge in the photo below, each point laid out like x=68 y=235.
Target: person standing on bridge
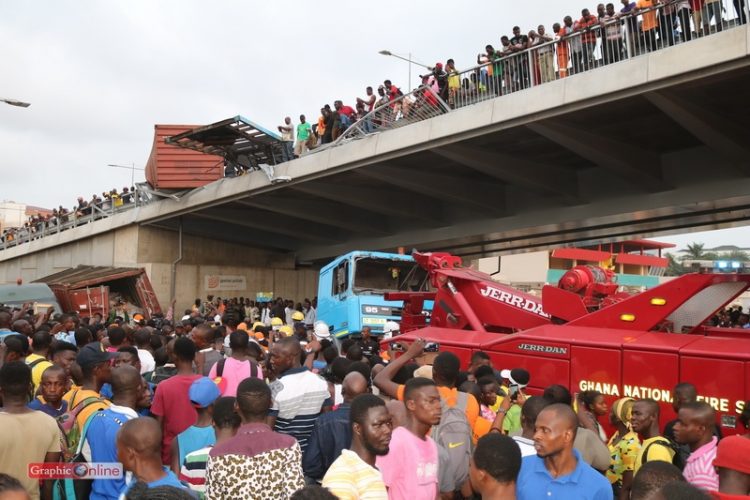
x=304 y=132
x=287 y=139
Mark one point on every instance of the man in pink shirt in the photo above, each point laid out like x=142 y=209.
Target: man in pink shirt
x=695 y=428
x=229 y=372
x=410 y=469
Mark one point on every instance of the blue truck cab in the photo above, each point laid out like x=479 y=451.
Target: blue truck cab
x=351 y=289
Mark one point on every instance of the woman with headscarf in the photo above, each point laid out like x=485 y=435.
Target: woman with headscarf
x=623 y=449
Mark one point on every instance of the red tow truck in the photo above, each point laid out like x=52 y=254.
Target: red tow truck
x=586 y=335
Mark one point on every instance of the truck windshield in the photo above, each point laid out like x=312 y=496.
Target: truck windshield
x=374 y=275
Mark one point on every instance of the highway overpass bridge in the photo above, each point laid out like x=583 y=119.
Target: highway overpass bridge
x=651 y=145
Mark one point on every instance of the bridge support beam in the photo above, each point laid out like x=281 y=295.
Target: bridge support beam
x=641 y=167
x=707 y=126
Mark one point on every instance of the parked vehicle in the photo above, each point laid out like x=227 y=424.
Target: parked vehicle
x=351 y=290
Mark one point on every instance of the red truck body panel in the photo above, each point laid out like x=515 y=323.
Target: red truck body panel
x=639 y=346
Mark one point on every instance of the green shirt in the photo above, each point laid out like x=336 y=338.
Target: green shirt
x=303 y=131
x=512 y=420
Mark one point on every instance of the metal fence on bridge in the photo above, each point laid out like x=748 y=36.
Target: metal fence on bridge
x=545 y=57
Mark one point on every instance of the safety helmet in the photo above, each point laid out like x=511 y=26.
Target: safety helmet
x=390 y=329
x=286 y=330
x=258 y=324
x=298 y=316
x=277 y=321
x=321 y=331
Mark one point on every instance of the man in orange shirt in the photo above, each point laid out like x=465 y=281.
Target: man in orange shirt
x=444 y=372
x=650 y=24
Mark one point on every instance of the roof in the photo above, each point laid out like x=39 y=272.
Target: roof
x=630 y=246
x=83 y=276
x=232 y=138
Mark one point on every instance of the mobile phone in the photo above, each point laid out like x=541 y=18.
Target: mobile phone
x=513 y=388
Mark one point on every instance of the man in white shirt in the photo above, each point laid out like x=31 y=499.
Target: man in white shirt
x=287 y=138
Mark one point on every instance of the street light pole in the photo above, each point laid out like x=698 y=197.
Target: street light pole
x=407 y=59
x=14 y=102
x=132 y=169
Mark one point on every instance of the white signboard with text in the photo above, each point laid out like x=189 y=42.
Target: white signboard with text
x=225 y=282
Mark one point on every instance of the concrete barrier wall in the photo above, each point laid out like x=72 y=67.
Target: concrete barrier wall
x=156 y=249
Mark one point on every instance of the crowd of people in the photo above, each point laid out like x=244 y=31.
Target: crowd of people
x=731 y=317
x=245 y=400
x=614 y=33
x=97 y=207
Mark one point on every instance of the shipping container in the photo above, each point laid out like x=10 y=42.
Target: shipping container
x=88 y=290
x=174 y=167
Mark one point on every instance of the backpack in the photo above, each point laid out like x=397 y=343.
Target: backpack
x=220 y=368
x=453 y=437
x=77 y=489
x=68 y=422
x=679 y=453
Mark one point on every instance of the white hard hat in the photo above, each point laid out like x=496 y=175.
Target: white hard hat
x=389 y=328
x=320 y=330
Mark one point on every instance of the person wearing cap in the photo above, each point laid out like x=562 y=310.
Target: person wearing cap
x=732 y=463
x=101 y=433
x=226 y=422
x=203 y=393
x=96 y=371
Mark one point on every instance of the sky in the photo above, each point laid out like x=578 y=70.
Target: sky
x=100 y=74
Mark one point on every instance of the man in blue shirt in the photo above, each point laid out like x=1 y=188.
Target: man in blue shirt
x=139 y=452
x=332 y=432
x=557 y=470
x=103 y=426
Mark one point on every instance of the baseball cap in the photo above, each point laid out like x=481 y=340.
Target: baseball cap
x=516 y=376
x=733 y=453
x=93 y=354
x=203 y=392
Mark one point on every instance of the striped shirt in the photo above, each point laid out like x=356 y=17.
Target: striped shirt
x=351 y=478
x=193 y=470
x=298 y=395
x=699 y=469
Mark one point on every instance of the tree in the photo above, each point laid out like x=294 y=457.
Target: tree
x=674 y=267
x=694 y=251
x=739 y=255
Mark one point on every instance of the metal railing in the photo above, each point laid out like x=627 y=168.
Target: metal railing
x=70 y=220
x=585 y=45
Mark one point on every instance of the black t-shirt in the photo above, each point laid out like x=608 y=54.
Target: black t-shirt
x=520 y=40
x=369 y=348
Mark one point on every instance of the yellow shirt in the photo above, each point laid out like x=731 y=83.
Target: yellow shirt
x=350 y=478
x=77 y=394
x=655 y=452
x=37 y=370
